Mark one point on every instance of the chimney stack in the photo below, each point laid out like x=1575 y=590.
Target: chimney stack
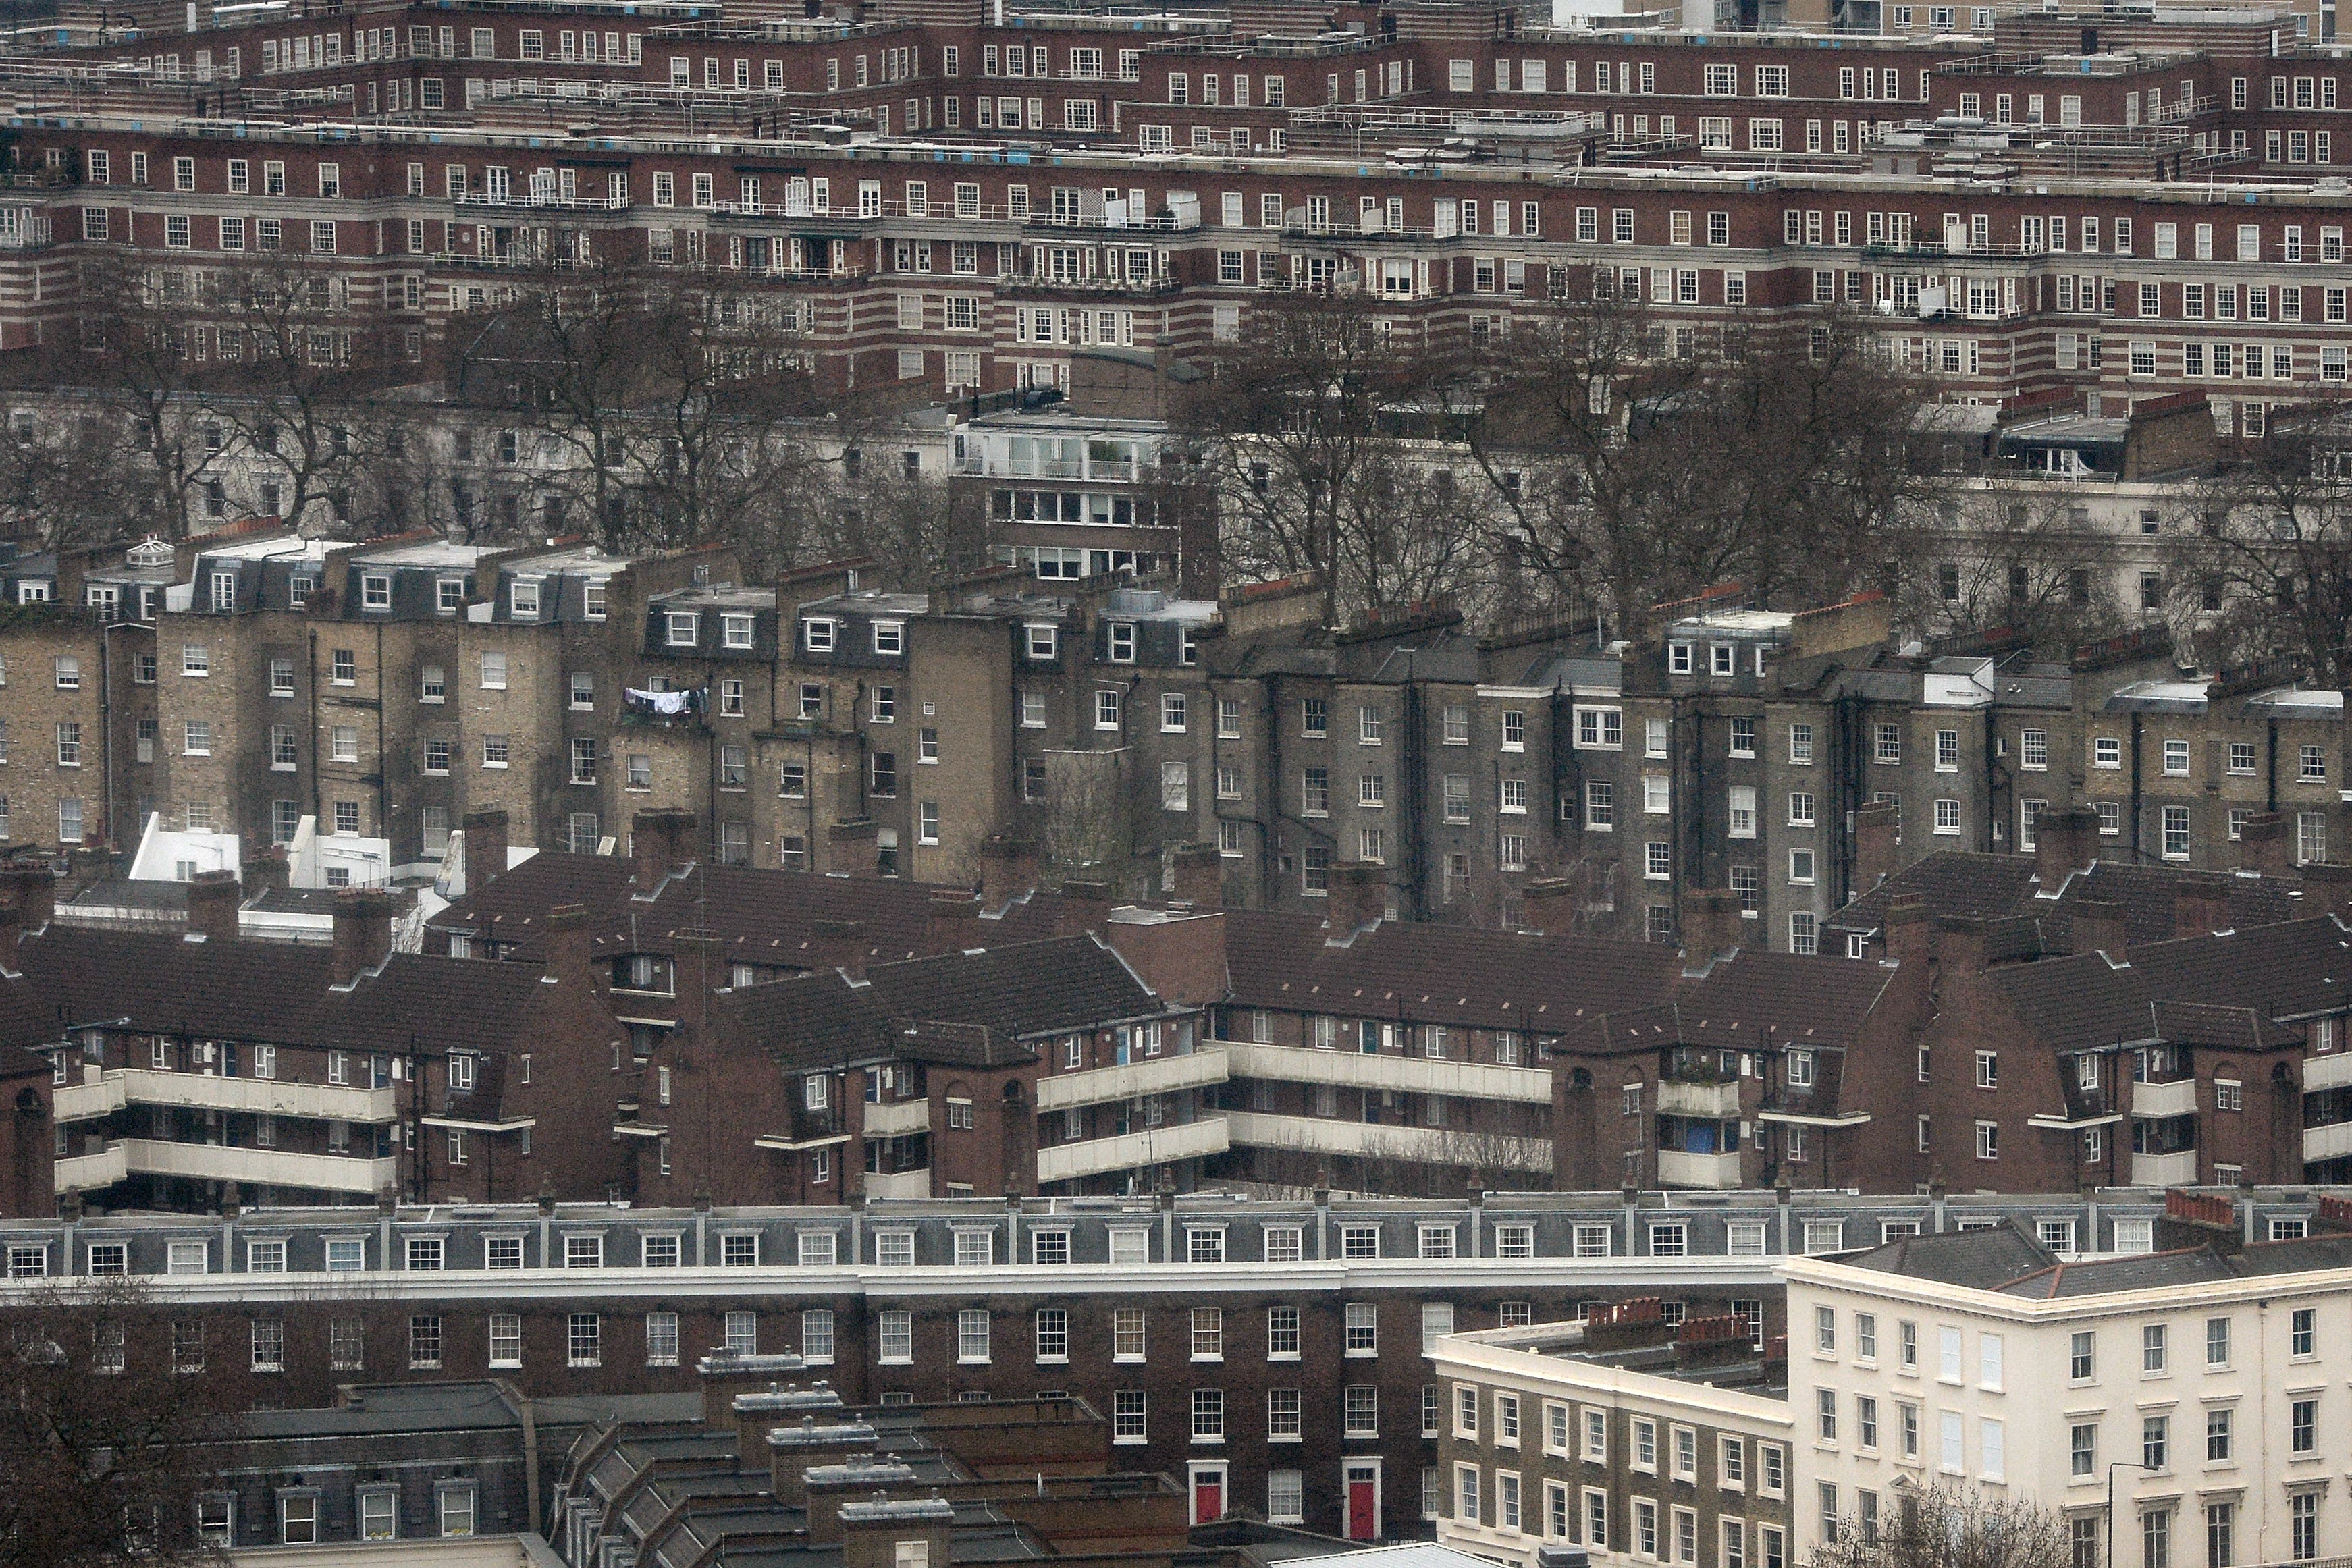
x=2263 y=845
x=794 y=1450
x=954 y=923
x=31 y=890
x=1199 y=873
x=2065 y=840
x=763 y=1410
x=363 y=933
x=266 y=870
x=567 y=943
x=2200 y=905
x=1008 y=868
x=2327 y=890
x=1358 y=900
x=485 y=858
x=213 y=900
x=1876 y=833
x=1086 y=906
x=837 y=945
x=2097 y=927
x=1713 y=927
x=853 y=848
x=662 y=840
x=877 y=1533
x=1548 y=906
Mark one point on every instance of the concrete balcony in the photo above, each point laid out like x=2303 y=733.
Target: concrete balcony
x=1720 y=1172
x=2164 y=1170
x=1133 y=1151
x=2329 y=1143
x=256 y=1168
x=2333 y=1071
x=1707 y=1102
x=895 y=1119
x=84 y=1172
x=2177 y=1098
x=1415 y=1074
x=101 y=1095
x=1494 y=1153
x=1150 y=1075
x=899 y=1183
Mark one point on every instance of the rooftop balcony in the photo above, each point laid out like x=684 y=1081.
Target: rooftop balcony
x=1133 y=1151
x=102 y=1094
x=1149 y=1075
x=1417 y=1074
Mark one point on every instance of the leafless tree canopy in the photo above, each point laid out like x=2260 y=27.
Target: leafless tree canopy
x=1948 y=1528
x=100 y=1442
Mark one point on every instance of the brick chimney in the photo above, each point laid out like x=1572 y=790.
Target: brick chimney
x=1086 y=906
x=568 y=943
x=2095 y=926
x=702 y=967
x=724 y=1374
x=1358 y=900
x=862 y=1480
x=1875 y=835
x=2065 y=840
x=1199 y=873
x=878 y=1533
x=363 y=933
x=2263 y=845
x=794 y=1450
x=837 y=945
x=1712 y=927
x=266 y=870
x=31 y=890
x=763 y=1410
x=853 y=848
x=1548 y=906
x=2327 y=890
x=486 y=849
x=1910 y=939
x=662 y=840
x=1008 y=868
x=2200 y=905
x=213 y=900
x=953 y=924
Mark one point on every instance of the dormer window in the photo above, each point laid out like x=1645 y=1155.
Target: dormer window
x=736 y=631
x=376 y=590
x=524 y=599
x=449 y=596
x=1678 y=658
x=1723 y=659
x=683 y=628
x=593 y=602
x=889 y=636
x=1122 y=642
x=298 y=588
x=816 y=635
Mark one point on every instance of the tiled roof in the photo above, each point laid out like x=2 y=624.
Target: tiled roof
x=277 y=991
x=2266 y=972
x=763 y=916
x=1013 y=994
x=1990 y=887
x=1465 y=976
x=1983 y=1259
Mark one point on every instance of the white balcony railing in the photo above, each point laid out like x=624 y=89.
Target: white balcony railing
x=2329 y=1143
x=1709 y=1102
x=1416 y=1075
x=2164 y=1170
x=1133 y=1151
x=1492 y=1152
x=104 y=1095
x=256 y=1168
x=2177 y=1098
x=899 y=1183
x=1150 y=1075
x=1678 y=1168
x=2333 y=1071
x=84 y=1172
x=895 y=1119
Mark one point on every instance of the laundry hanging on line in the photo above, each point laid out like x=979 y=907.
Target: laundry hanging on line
x=668 y=703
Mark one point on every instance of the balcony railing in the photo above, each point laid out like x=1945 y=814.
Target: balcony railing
x=2333 y=1071
x=1495 y=1152
x=218 y=1162
x=1677 y=1168
x=1713 y=1102
x=2177 y=1098
x=102 y=1095
x=895 y=1119
x=1134 y=1151
x=1418 y=1074
x=899 y=1183
x=86 y=1173
x=2332 y=1141
x=2176 y=1169
x=1151 y=1075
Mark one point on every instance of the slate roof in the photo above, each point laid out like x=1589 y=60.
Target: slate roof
x=278 y=991
x=1621 y=995
x=1013 y=994
x=1983 y=1259
x=2189 y=1267
x=1991 y=887
x=763 y=916
x=2266 y=972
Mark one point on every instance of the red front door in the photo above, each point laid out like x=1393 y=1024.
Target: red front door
x=1363 y=1504
x=1208 y=1497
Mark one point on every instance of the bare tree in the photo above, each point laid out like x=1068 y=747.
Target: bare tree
x=2266 y=568
x=1950 y=1528
x=1974 y=558
x=100 y=1443
x=1085 y=816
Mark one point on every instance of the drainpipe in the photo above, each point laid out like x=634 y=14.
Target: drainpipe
x=2135 y=788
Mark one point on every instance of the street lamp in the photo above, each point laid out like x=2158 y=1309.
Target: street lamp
x=2118 y=1465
